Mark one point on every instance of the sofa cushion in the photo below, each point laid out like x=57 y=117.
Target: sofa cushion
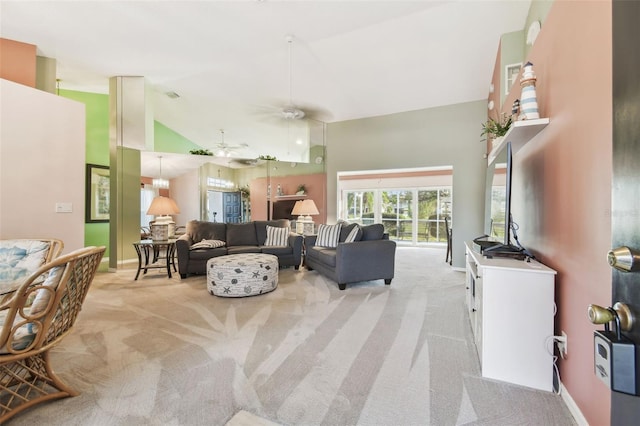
x=324 y=255
x=277 y=250
x=243 y=249
x=328 y=235
x=204 y=254
x=372 y=232
x=241 y=234
x=277 y=236
x=200 y=230
x=347 y=229
x=261 y=228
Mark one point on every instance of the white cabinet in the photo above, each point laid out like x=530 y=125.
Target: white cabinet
x=511 y=310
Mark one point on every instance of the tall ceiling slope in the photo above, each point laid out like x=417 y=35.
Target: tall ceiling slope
x=233 y=69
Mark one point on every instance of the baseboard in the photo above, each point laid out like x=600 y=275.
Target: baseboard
x=573 y=407
x=458 y=269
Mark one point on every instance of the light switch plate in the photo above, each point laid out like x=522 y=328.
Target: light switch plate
x=64 y=207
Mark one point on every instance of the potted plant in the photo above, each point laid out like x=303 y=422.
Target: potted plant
x=496 y=129
x=301 y=189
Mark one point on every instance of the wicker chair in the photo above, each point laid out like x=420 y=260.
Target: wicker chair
x=35 y=318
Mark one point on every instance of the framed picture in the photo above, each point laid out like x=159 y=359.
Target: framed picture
x=511 y=73
x=97 y=194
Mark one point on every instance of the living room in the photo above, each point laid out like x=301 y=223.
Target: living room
x=562 y=191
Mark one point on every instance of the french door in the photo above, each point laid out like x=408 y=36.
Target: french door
x=411 y=215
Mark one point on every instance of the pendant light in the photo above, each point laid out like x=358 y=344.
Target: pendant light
x=159 y=182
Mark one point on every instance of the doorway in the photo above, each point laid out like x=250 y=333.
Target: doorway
x=225 y=207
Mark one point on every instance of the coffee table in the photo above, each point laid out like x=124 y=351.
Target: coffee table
x=241 y=275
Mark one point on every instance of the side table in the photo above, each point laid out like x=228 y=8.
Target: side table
x=152 y=250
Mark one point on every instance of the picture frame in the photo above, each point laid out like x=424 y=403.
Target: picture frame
x=511 y=73
x=97 y=193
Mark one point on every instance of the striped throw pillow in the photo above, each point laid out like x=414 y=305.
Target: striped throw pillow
x=328 y=235
x=352 y=235
x=277 y=236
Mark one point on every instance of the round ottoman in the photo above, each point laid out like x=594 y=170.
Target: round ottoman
x=240 y=275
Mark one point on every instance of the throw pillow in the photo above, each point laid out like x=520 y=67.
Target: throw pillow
x=372 y=232
x=328 y=235
x=207 y=244
x=351 y=237
x=277 y=236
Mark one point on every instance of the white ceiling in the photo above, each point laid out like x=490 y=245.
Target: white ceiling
x=229 y=60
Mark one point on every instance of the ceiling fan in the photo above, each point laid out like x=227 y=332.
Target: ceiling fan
x=289 y=111
x=225 y=150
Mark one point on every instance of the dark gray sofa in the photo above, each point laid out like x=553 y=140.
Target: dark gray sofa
x=239 y=238
x=370 y=257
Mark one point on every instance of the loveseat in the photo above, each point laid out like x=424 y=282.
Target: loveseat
x=361 y=253
x=204 y=240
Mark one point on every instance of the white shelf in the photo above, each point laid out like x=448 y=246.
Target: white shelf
x=291 y=197
x=519 y=134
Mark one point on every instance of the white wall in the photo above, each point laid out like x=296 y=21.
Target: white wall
x=443 y=136
x=42 y=162
x=185 y=190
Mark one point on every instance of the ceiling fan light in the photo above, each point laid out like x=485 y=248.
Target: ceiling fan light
x=292 y=113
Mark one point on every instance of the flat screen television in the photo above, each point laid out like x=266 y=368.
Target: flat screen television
x=282 y=209
x=498 y=225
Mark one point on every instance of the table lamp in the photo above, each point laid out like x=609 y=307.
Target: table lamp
x=304 y=209
x=164 y=226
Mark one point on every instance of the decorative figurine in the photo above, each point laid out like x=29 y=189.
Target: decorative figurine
x=528 y=100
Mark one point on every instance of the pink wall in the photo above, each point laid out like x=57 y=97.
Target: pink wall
x=562 y=182
x=315 y=185
x=18 y=62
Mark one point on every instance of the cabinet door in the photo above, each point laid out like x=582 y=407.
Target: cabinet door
x=479 y=312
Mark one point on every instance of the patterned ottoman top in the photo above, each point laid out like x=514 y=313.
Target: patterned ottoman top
x=240 y=275
x=243 y=259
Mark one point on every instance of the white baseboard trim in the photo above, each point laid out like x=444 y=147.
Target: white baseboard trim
x=572 y=406
x=458 y=269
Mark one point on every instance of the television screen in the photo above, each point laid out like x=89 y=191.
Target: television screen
x=282 y=209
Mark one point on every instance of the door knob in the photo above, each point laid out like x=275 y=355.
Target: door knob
x=624 y=259
x=620 y=312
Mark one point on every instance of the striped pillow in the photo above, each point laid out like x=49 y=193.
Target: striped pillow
x=277 y=236
x=328 y=235
x=352 y=235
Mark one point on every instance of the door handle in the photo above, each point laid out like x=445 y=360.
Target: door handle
x=624 y=259
x=619 y=313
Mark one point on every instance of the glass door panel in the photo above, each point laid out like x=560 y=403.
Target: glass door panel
x=397 y=217
x=359 y=207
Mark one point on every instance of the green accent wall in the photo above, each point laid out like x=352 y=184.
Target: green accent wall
x=97 y=152
x=167 y=140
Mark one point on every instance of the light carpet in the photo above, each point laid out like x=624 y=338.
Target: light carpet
x=161 y=351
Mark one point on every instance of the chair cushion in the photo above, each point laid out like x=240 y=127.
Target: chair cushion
x=328 y=235
x=241 y=234
x=20 y=258
x=277 y=236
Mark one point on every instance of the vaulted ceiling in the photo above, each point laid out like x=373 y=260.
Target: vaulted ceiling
x=233 y=68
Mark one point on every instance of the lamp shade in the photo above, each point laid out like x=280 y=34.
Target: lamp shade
x=161 y=206
x=296 y=208
x=306 y=208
